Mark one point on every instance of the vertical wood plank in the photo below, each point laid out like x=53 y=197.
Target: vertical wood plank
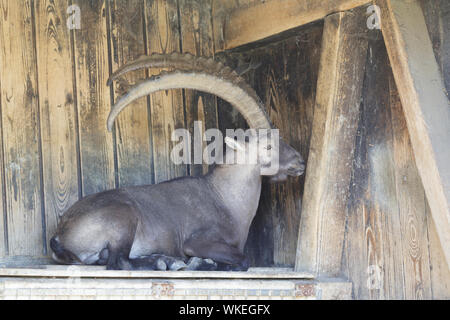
x=383 y=209
x=3 y=230
x=58 y=111
x=167 y=112
x=20 y=118
x=197 y=39
x=134 y=147
x=220 y=12
x=412 y=207
x=440 y=272
x=228 y=116
x=93 y=98
x=386 y=248
x=339 y=90
x=369 y=204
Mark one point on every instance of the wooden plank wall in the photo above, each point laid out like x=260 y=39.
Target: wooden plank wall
x=76 y=156
x=132 y=131
x=54 y=102
x=54 y=147
x=387 y=201
x=391 y=249
x=391 y=245
x=58 y=111
x=398 y=236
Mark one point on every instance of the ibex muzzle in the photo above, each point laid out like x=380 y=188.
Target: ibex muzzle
x=207 y=217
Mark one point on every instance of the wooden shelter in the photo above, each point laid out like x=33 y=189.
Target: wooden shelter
x=360 y=87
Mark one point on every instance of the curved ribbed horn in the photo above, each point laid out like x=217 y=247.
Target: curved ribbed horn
x=198 y=74
x=178 y=61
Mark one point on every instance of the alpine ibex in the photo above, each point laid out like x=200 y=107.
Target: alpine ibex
x=207 y=217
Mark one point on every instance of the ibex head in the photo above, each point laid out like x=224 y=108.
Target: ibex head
x=207 y=75
x=274 y=156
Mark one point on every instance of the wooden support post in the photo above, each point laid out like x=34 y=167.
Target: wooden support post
x=237 y=25
x=322 y=226
x=425 y=104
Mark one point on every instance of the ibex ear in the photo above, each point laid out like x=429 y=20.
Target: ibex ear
x=233 y=144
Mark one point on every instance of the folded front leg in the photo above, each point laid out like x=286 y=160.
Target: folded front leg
x=229 y=258
x=154 y=262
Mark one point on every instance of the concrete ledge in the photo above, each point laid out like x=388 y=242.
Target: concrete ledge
x=173 y=289
x=58 y=271
x=94 y=283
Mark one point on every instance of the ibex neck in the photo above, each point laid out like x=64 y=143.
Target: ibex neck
x=240 y=188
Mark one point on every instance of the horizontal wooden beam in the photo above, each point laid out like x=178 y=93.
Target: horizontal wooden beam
x=425 y=104
x=237 y=26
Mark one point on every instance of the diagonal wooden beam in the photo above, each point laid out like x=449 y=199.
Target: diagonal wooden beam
x=237 y=26
x=425 y=104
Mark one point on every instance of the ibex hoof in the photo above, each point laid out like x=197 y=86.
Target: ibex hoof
x=199 y=264
x=161 y=265
x=178 y=265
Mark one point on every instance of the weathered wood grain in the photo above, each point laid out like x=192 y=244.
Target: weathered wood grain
x=3 y=222
x=58 y=111
x=133 y=143
x=440 y=272
x=21 y=135
x=197 y=39
x=411 y=207
x=389 y=227
x=240 y=23
x=228 y=116
x=383 y=223
x=246 y=3
x=372 y=248
x=339 y=90
x=167 y=114
x=386 y=250
x=437 y=18
x=426 y=106
x=93 y=98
